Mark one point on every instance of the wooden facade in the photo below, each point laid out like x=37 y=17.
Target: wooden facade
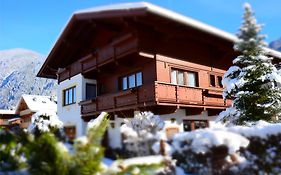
x=110 y=44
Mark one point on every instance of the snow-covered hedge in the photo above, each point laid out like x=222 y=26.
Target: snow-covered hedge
x=251 y=149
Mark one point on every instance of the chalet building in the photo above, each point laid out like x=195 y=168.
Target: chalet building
x=30 y=104
x=126 y=58
x=8 y=118
x=26 y=107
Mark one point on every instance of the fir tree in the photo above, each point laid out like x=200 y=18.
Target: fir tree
x=253 y=82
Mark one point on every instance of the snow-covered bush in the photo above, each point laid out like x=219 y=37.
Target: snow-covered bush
x=44 y=154
x=44 y=121
x=253 y=82
x=207 y=151
x=150 y=165
x=47 y=156
x=12 y=155
x=140 y=133
x=263 y=154
x=252 y=149
x=88 y=152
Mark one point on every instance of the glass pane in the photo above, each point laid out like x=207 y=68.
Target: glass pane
x=180 y=78
x=187 y=126
x=191 y=78
x=220 y=81
x=200 y=124
x=74 y=94
x=124 y=83
x=139 y=79
x=90 y=91
x=65 y=97
x=132 y=81
x=212 y=80
x=70 y=97
x=174 y=77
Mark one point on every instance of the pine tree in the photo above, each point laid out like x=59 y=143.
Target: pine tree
x=253 y=82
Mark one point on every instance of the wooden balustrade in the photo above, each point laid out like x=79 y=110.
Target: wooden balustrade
x=158 y=92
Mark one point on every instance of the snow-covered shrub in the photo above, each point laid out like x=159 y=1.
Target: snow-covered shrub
x=207 y=151
x=88 y=152
x=150 y=165
x=12 y=153
x=45 y=121
x=140 y=133
x=47 y=156
x=263 y=154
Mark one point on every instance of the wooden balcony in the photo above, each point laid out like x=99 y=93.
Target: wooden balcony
x=158 y=93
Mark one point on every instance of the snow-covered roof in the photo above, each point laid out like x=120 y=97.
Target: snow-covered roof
x=173 y=16
x=37 y=103
x=13 y=119
x=7 y=112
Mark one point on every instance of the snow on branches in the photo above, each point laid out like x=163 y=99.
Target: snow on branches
x=253 y=82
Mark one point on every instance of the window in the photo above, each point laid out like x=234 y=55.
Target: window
x=212 y=80
x=131 y=81
x=91 y=91
x=216 y=81
x=192 y=79
x=69 y=96
x=139 y=79
x=189 y=125
x=70 y=132
x=220 y=81
x=124 y=83
x=181 y=77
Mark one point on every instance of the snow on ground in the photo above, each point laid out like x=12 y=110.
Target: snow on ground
x=202 y=139
x=258 y=129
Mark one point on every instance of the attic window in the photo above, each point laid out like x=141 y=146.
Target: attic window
x=44 y=102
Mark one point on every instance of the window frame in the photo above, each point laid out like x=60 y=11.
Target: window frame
x=73 y=95
x=217 y=82
x=87 y=92
x=193 y=124
x=126 y=78
x=185 y=77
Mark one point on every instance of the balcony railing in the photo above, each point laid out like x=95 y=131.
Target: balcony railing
x=156 y=93
x=181 y=94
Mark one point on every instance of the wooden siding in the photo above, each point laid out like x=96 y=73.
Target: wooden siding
x=118 y=48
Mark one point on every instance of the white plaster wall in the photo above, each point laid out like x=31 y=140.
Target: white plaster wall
x=114 y=134
x=70 y=115
x=180 y=115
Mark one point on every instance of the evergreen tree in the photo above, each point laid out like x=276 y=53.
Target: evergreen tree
x=253 y=82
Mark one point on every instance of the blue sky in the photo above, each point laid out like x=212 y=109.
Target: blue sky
x=36 y=24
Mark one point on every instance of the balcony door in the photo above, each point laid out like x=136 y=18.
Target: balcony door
x=91 y=91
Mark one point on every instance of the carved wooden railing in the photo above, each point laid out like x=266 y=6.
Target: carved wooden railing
x=159 y=92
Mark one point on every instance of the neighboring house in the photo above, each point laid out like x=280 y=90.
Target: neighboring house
x=30 y=104
x=26 y=107
x=8 y=117
x=134 y=57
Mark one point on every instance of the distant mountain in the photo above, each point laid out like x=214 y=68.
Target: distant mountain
x=18 y=69
x=276 y=45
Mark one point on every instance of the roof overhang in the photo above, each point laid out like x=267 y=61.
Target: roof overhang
x=48 y=70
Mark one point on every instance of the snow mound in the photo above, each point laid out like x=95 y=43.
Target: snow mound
x=202 y=140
